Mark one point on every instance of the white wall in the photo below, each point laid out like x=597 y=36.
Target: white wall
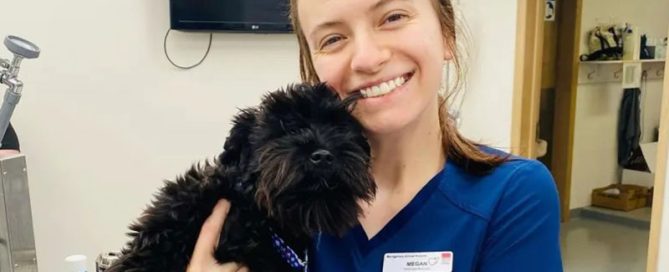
x=595 y=140
x=105 y=118
x=490 y=27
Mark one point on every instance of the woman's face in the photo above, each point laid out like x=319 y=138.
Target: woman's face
x=392 y=50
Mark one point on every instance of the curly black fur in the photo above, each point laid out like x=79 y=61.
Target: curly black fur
x=297 y=164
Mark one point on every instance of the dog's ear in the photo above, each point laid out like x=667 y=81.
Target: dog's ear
x=236 y=150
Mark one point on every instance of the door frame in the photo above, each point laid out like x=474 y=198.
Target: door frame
x=527 y=82
x=527 y=88
x=660 y=180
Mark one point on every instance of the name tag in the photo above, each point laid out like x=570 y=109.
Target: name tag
x=418 y=261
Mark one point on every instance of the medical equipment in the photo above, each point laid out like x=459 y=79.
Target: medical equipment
x=8 y=76
x=17 y=240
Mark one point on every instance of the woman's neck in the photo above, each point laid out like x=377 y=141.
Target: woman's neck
x=410 y=157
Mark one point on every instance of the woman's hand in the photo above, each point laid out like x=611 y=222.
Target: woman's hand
x=203 y=255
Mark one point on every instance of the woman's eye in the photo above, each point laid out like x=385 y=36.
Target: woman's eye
x=330 y=40
x=395 y=17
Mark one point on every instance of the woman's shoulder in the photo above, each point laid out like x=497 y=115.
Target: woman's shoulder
x=515 y=166
x=517 y=179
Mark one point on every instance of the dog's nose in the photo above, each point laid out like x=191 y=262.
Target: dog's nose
x=322 y=157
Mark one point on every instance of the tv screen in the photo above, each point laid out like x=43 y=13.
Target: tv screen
x=260 y=16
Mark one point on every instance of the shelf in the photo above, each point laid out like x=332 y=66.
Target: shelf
x=622 y=61
x=629 y=72
x=652 y=61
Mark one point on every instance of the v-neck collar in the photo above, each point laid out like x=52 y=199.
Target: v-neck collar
x=402 y=217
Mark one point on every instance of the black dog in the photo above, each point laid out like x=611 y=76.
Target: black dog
x=292 y=167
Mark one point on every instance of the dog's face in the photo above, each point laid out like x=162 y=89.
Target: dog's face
x=311 y=161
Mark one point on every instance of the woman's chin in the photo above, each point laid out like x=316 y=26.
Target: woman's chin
x=382 y=124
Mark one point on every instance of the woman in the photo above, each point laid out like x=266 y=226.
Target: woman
x=476 y=208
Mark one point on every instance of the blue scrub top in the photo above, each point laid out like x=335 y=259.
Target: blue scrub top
x=508 y=220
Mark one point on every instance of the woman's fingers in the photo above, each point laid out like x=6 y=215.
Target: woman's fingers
x=210 y=234
x=232 y=267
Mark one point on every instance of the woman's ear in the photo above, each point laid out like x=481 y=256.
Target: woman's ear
x=448 y=55
x=448 y=51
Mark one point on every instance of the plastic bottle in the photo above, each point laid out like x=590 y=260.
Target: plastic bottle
x=661 y=49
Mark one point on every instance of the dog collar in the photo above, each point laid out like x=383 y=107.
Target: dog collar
x=289 y=255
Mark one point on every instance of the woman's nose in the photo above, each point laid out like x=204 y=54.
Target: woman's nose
x=370 y=55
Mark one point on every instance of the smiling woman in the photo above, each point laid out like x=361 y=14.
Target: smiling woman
x=440 y=197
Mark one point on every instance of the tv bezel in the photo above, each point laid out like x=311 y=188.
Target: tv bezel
x=234 y=27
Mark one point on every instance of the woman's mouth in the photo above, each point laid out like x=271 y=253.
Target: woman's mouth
x=386 y=87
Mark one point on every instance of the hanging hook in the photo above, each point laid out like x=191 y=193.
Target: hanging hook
x=592 y=73
x=616 y=74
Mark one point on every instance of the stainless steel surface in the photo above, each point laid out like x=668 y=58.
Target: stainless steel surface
x=17 y=253
x=15 y=66
x=5 y=256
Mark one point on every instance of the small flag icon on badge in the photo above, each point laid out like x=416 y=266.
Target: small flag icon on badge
x=446 y=258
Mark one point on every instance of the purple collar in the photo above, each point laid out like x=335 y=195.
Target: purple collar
x=289 y=255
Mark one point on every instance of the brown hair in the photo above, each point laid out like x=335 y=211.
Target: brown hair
x=461 y=151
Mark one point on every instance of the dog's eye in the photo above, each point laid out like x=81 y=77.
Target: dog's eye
x=287 y=129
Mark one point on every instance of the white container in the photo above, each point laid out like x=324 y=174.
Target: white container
x=76 y=263
x=632 y=45
x=661 y=49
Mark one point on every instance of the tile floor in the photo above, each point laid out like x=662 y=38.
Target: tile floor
x=597 y=245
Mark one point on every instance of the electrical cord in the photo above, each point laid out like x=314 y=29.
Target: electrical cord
x=185 y=67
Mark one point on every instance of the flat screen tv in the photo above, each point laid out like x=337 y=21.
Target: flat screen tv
x=257 y=16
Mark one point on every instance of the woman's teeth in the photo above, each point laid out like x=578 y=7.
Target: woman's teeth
x=383 y=88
